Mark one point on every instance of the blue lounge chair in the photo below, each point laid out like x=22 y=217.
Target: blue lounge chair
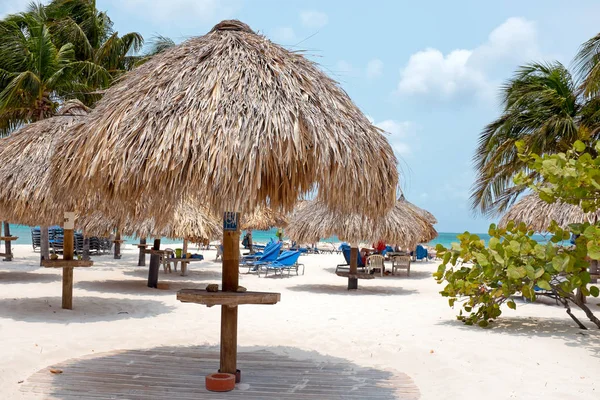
x=346 y=252
x=268 y=256
x=421 y=253
x=258 y=254
x=287 y=261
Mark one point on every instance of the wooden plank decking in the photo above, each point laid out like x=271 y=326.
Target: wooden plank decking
x=177 y=373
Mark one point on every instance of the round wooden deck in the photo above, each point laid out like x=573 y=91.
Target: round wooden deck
x=178 y=373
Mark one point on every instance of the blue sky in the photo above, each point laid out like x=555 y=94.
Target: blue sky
x=427 y=72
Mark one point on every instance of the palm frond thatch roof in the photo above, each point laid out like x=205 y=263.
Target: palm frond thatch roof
x=25 y=195
x=189 y=221
x=401 y=226
x=538 y=214
x=264 y=218
x=426 y=214
x=237 y=118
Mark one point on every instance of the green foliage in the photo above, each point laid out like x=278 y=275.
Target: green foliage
x=50 y=54
x=572 y=176
x=542 y=109
x=484 y=278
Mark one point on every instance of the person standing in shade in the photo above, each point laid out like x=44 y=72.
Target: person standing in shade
x=279 y=234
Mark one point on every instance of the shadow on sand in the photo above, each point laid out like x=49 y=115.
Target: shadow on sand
x=139 y=287
x=27 y=277
x=562 y=329
x=364 y=289
x=85 y=309
x=178 y=372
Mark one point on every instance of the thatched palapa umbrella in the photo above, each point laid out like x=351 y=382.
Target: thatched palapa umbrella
x=190 y=222
x=25 y=195
x=538 y=214
x=241 y=122
x=403 y=225
x=262 y=219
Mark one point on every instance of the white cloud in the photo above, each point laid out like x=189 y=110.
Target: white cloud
x=13 y=6
x=313 y=19
x=374 y=68
x=468 y=71
x=162 y=11
x=400 y=134
x=284 y=34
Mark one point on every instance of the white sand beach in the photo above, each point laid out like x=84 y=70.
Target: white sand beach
x=395 y=323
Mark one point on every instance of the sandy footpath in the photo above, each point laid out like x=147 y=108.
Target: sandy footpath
x=398 y=323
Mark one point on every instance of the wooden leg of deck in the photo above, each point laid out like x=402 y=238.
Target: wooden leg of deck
x=142 y=257
x=154 y=266
x=353 y=282
x=7 y=248
x=67 y=289
x=229 y=315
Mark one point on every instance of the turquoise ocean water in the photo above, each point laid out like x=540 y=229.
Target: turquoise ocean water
x=445 y=238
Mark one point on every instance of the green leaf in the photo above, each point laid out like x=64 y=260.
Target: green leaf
x=593 y=250
x=594 y=291
x=511 y=304
x=515 y=246
x=579 y=146
x=483 y=324
x=544 y=285
x=539 y=272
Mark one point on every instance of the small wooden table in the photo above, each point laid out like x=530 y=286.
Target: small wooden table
x=8 y=254
x=184 y=263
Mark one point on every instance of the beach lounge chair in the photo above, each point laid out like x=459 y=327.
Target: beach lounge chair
x=401 y=262
x=271 y=253
x=346 y=253
x=259 y=254
x=421 y=253
x=375 y=262
x=287 y=261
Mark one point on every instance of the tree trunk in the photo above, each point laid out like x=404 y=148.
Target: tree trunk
x=44 y=244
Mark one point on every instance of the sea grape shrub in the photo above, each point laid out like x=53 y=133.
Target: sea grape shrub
x=572 y=177
x=483 y=278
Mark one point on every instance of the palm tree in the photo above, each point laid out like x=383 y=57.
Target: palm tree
x=587 y=66
x=91 y=32
x=542 y=109
x=35 y=74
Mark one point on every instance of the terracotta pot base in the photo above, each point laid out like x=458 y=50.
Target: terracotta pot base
x=220 y=382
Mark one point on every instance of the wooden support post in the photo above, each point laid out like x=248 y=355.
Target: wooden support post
x=594 y=270
x=86 y=248
x=7 y=247
x=250 y=241
x=154 y=266
x=353 y=281
x=117 y=254
x=68 y=249
x=184 y=265
x=142 y=257
x=44 y=244
x=230 y=283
